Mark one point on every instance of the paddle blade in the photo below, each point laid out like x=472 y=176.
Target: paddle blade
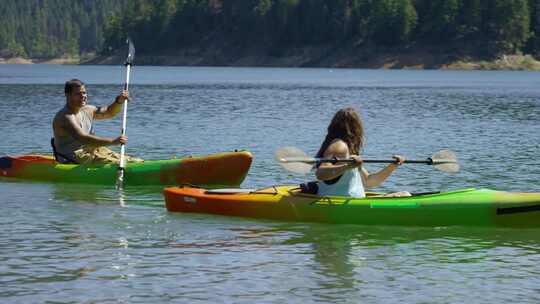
x=445 y=160
x=131 y=52
x=286 y=155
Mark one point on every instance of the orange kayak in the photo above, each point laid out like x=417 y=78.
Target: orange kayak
x=217 y=170
x=468 y=207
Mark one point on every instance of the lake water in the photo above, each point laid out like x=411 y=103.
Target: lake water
x=74 y=243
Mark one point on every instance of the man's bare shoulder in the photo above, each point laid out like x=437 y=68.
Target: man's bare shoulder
x=60 y=116
x=63 y=118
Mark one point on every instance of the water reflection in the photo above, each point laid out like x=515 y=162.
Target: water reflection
x=336 y=262
x=99 y=194
x=340 y=249
x=370 y=236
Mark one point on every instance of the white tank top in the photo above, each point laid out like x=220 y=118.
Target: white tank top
x=349 y=184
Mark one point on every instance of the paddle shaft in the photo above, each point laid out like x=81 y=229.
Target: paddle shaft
x=296 y=160
x=124 y=119
x=121 y=165
x=374 y=161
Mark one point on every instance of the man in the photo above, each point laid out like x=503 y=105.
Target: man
x=74 y=139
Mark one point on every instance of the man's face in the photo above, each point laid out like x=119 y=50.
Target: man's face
x=78 y=96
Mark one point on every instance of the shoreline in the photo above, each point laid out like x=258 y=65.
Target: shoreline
x=303 y=58
x=20 y=60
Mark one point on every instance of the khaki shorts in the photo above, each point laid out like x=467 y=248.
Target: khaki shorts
x=101 y=155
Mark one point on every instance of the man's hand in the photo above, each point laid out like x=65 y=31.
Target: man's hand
x=122 y=97
x=120 y=140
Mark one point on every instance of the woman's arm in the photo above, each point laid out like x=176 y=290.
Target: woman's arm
x=375 y=179
x=338 y=150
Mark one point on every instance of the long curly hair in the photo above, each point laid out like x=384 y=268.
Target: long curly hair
x=347 y=126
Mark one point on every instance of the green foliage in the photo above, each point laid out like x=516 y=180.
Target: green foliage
x=507 y=25
x=16 y=49
x=533 y=44
x=47 y=28
x=501 y=25
x=440 y=19
x=53 y=28
x=393 y=21
x=470 y=19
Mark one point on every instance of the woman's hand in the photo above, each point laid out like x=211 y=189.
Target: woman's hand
x=399 y=159
x=357 y=161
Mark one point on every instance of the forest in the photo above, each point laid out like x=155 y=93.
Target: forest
x=492 y=27
x=54 y=28
x=484 y=28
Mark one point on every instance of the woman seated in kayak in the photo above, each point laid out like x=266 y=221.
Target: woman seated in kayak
x=344 y=140
x=74 y=139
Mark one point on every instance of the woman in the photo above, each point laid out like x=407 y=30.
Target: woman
x=344 y=140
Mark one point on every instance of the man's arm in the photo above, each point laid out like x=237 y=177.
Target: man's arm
x=111 y=110
x=70 y=126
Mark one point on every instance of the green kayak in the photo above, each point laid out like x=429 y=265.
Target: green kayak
x=467 y=207
x=216 y=170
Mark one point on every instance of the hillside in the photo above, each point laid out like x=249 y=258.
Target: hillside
x=492 y=34
x=63 y=30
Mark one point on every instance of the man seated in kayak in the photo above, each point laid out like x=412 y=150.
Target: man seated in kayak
x=74 y=139
x=344 y=140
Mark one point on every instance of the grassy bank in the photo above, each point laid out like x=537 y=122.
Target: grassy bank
x=5 y=58
x=505 y=62
x=20 y=60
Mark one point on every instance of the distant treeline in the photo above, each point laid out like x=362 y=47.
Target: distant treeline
x=54 y=28
x=497 y=26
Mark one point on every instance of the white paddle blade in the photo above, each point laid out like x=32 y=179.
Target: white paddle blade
x=286 y=157
x=300 y=168
x=445 y=160
x=131 y=52
x=282 y=154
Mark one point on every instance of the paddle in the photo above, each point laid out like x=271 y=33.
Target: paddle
x=128 y=64
x=295 y=160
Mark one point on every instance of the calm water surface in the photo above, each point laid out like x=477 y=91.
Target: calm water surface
x=74 y=243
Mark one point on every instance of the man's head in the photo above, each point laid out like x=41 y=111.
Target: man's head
x=75 y=91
